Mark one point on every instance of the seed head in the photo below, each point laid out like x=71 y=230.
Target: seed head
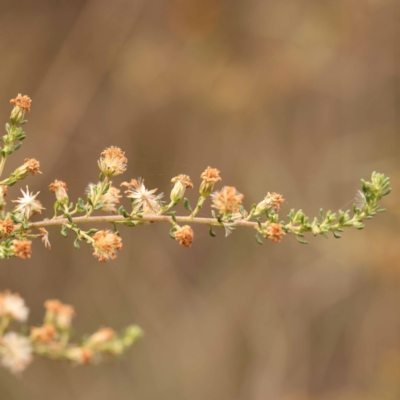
x=106 y=244
x=13 y=306
x=16 y=352
x=28 y=205
x=143 y=200
x=227 y=200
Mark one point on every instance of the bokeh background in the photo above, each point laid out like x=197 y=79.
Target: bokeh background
x=295 y=96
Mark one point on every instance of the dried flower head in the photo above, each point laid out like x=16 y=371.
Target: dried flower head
x=184 y=180
x=103 y=335
x=271 y=201
x=80 y=355
x=6 y=227
x=112 y=161
x=53 y=305
x=22 y=248
x=110 y=199
x=59 y=188
x=210 y=176
x=143 y=200
x=227 y=200
x=274 y=232
x=22 y=101
x=44 y=334
x=59 y=313
x=13 y=306
x=181 y=183
x=32 y=165
x=184 y=236
x=16 y=352
x=28 y=205
x=106 y=244
x=64 y=316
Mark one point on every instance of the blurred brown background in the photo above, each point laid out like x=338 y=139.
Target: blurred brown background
x=295 y=96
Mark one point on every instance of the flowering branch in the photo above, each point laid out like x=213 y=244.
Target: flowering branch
x=17 y=228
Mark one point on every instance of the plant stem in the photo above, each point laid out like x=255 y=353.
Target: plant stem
x=2 y=163
x=145 y=219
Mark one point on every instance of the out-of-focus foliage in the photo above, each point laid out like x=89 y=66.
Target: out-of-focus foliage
x=297 y=97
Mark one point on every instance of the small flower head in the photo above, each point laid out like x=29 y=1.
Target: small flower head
x=184 y=236
x=16 y=352
x=210 y=176
x=271 y=201
x=110 y=199
x=3 y=193
x=274 y=232
x=59 y=188
x=6 y=227
x=30 y=166
x=143 y=200
x=103 y=335
x=28 y=205
x=43 y=334
x=64 y=316
x=21 y=104
x=22 y=248
x=80 y=355
x=59 y=314
x=227 y=200
x=112 y=161
x=106 y=244
x=13 y=306
x=181 y=183
x=22 y=101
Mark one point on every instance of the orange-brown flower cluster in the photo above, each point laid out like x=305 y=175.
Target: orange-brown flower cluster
x=59 y=188
x=210 y=176
x=6 y=227
x=22 y=248
x=274 y=232
x=106 y=244
x=32 y=165
x=44 y=334
x=184 y=235
x=227 y=200
x=184 y=180
x=22 y=101
x=274 y=200
x=112 y=161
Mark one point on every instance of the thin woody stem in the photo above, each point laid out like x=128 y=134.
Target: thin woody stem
x=2 y=163
x=151 y=218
